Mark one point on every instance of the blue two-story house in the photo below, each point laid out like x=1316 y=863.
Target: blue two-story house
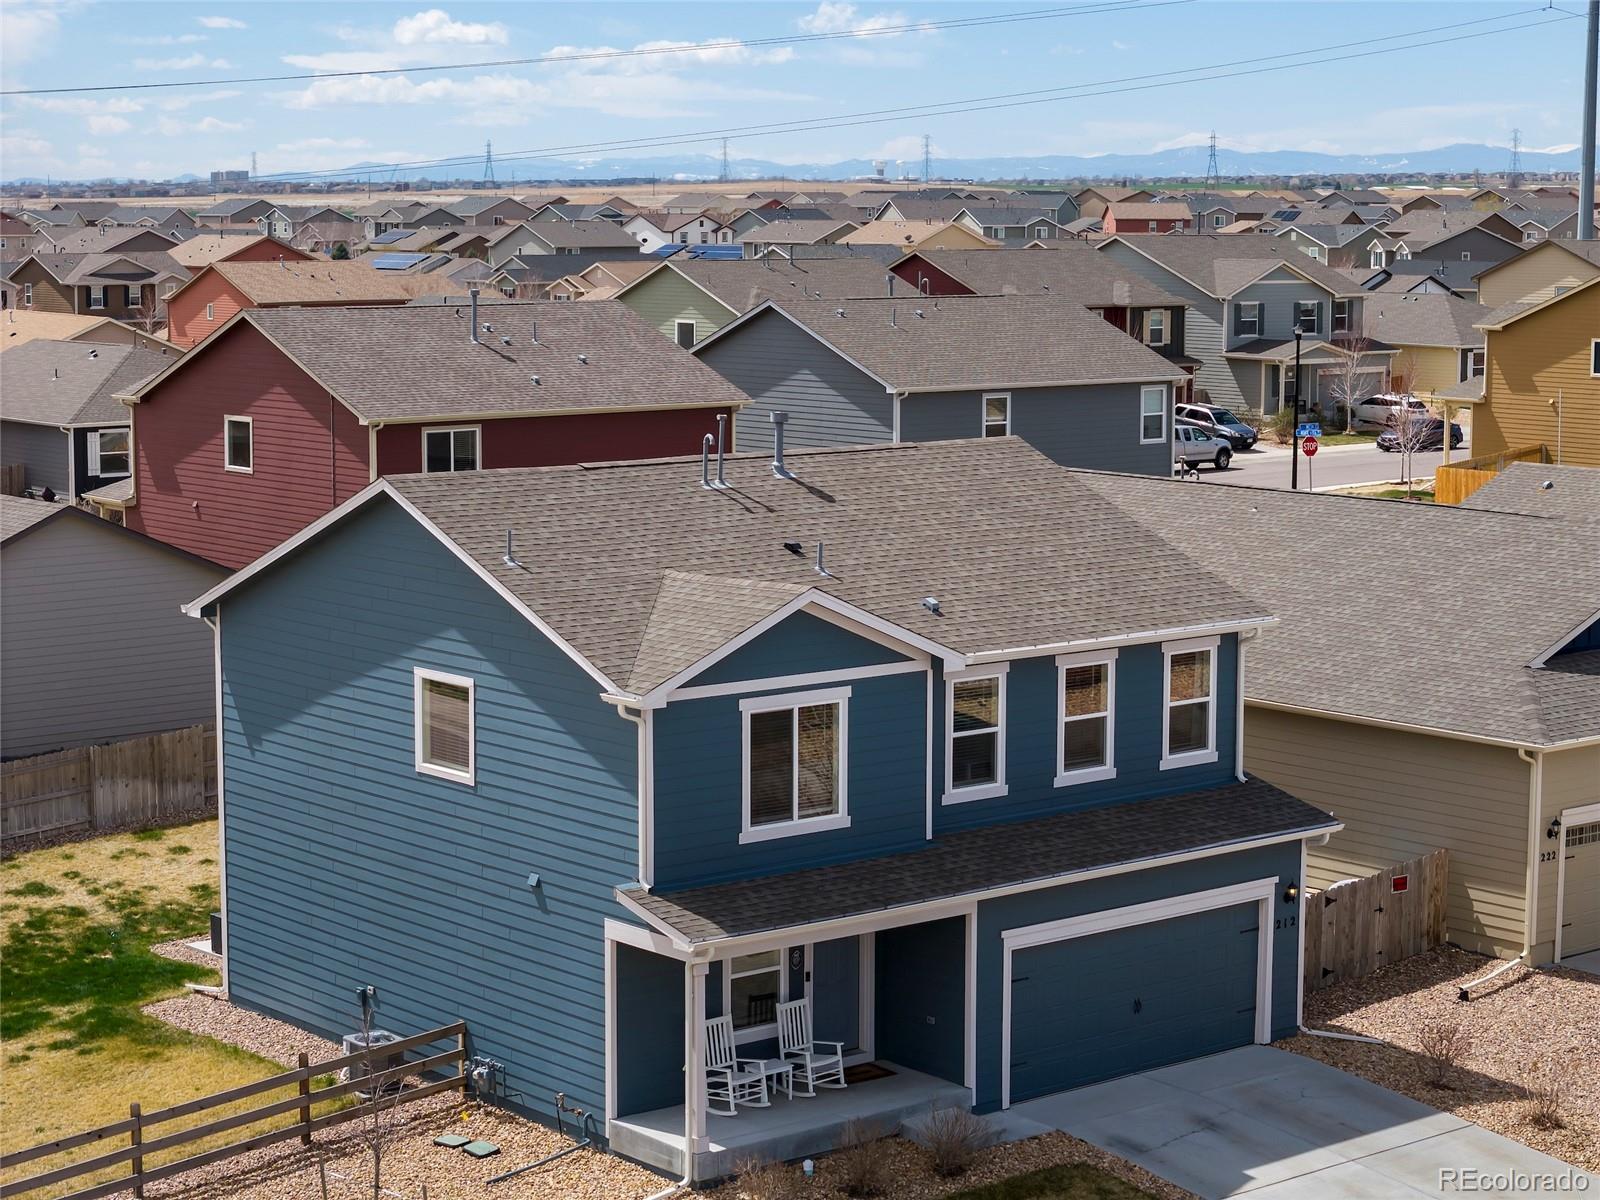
x=932 y=736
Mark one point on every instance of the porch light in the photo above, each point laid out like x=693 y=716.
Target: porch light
x=1291 y=893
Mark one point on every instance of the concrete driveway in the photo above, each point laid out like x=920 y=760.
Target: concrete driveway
x=1276 y=1126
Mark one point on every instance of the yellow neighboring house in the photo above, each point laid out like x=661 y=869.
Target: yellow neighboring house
x=1434 y=332
x=1542 y=377
x=1539 y=273
x=917 y=235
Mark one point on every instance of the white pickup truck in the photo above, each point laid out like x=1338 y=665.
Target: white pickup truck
x=1192 y=446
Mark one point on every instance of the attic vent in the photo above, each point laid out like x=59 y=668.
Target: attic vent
x=535 y=379
x=795 y=548
x=583 y=358
x=504 y=340
x=838 y=312
x=931 y=603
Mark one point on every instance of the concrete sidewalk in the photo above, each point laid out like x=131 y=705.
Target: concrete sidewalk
x=1277 y=1126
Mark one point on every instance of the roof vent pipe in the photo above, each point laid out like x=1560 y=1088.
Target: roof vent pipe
x=722 y=430
x=472 y=296
x=820 y=568
x=535 y=338
x=705 y=460
x=510 y=558
x=778 y=467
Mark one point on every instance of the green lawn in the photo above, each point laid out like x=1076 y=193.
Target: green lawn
x=1348 y=439
x=1076 y=1181
x=1417 y=494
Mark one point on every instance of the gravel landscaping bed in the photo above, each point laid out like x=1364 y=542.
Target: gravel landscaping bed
x=212 y=1016
x=181 y=951
x=1547 y=1016
x=911 y=1178
x=411 y=1162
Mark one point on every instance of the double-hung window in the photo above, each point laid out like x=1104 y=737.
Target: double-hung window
x=1155 y=327
x=1341 y=316
x=27 y=295
x=1594 y=358
x=97 y=297
x=108 y=453
x=996 y=414
x=1189 y=717
x=754 y=988
x=975 y=734
x=1307 y=315
x=453 y=449
x=1087 y=685
x=1472 y=363
x=238 y=444
x=1247 y=318
x=796 y=748
x=445 y=719
x=1152 y=414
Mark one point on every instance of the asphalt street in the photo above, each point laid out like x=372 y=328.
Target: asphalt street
x=1331 y=467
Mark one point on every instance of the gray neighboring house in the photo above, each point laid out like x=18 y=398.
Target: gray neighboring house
x=1246 y=296
x=782 y=236
x=96 y=646
x=558 y=237
x=60 y=420
x=862 y=371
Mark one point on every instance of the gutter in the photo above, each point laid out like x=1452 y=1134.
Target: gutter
x=372 y=450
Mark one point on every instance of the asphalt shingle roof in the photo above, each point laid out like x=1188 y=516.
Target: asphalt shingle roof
x=799 y=232
x=990 y=857
x=1220 y=265
x=19 y=514
x=314 y=282
x=1071 y=270
x=73 y=383
x=393 y=363
x=597 y=542
x=742 y=284
x=582 y=234
x=1422 y=319
x=1575 y=494
x=1370 y=629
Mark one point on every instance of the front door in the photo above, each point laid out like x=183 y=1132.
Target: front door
x=836 y=991
x=1580 y=905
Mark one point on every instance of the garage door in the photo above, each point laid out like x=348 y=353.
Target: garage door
x=1580 y=907
x=1107 y=1004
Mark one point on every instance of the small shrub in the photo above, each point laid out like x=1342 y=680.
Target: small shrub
x=35 y=887
x=1444 y=1044
x=763 y=1179
x=863 y=1158
x=1545 y=1084
x=953 y=1137
x=1281 y=426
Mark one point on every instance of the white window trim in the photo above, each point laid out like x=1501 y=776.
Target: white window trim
x=755 y=1033
x=1315 y=314
x=1594 y=357
x=677 y=331
x=94 y=453
x=477 y=445
x=1159 y=389
x=226 y=465
x=1191 y=758
x=1255 y=318
x=420 y=677
x=1149 y=320
x=1107 y=658
x=980 y=791
x=99 y=290
x=211 y=312
x=27 y=294
x=983 y=412
x=781 y=829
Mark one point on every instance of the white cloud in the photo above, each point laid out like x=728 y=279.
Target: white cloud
x=175 y=127
x=222 y=23
x=106 y=126
x=187 y=63
x=29 y=28
x=834 y=17
x=870 y=45
x=165 y=39
x=435 y=26
x=80 y=106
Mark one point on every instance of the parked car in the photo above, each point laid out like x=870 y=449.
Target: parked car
x=1379 y=411
x=1219 y=422
x=1423 y=435
x=1193 y=445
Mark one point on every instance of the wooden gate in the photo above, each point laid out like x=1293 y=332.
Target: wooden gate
x=1359 y=925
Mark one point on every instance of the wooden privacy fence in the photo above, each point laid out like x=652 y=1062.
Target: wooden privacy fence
x=139 y=781
x=1454 y=482
x=1358 y=925
x=13 y=478
x=141 y=1147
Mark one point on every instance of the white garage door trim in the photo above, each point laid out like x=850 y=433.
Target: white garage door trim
x=1569 y=818
x=1026 y=937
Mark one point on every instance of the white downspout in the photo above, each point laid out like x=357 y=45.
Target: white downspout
x=372 y=450
x=1246 y=635
x=222 y=841
x=72 y=464
x=646 y=773
x=1530 y=915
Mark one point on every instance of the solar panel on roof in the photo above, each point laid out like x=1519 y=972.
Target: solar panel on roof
x=392 y=235
x=396 y=262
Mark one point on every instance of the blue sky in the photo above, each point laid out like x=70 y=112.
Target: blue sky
x=1469 y=91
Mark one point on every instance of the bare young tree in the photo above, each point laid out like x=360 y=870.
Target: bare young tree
x=1352 y=380
x=383 y=1087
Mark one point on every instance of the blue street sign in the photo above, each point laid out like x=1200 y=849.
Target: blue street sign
x=1308 y=431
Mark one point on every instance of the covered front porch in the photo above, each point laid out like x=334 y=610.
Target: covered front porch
x=895 y=998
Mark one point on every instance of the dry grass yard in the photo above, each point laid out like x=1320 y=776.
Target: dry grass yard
x=1526 y=1025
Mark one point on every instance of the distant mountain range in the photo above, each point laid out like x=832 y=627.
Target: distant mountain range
x=1185 y=162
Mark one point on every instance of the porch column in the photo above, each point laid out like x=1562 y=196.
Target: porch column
x=694 y=1061
x=971 y=1047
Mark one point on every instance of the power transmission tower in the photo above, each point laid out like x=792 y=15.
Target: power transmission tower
x=488 y=163
x=927 y=158
x=1514 y=176
x=726 y=174
x=1213 y=175
x=252 y=164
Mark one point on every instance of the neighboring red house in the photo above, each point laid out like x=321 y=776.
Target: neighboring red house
x=287 y=412
x=198 y=253
x=1135 y=216
x=203 y=305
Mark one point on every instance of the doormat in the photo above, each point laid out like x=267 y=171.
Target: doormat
x=866 y=1073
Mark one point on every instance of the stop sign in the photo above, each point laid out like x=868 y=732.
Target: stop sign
x=1308 y=446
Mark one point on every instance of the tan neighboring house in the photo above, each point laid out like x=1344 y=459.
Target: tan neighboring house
x=918 y=235
x=1542 y=378
x=601 y=280
x=1464 y=716
x=1539 y=272
x=18 y=327
x=1434 y=334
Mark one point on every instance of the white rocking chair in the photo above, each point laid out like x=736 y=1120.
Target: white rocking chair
x=816 y=1064
x=730 y=1080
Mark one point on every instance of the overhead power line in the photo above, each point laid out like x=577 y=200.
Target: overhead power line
x=865 y=31
x=1360 y=48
